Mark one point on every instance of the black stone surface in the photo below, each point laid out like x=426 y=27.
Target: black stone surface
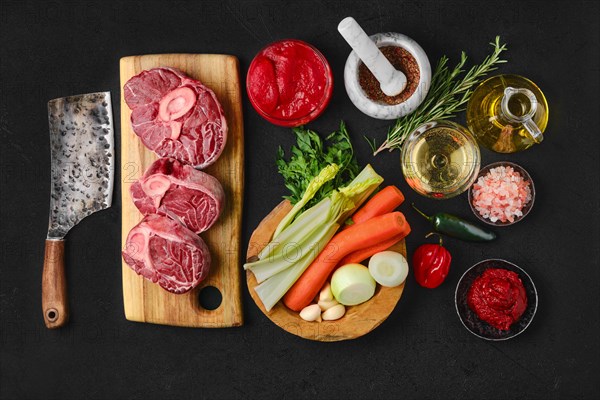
x=59 y=48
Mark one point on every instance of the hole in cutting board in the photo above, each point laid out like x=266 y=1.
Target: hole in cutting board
x=210 y=298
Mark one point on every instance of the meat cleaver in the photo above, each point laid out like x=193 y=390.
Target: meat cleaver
x=82 y=174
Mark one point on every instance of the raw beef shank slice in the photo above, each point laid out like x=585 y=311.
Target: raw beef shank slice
x=165 y=252
x=180 y=192
x=176 y=116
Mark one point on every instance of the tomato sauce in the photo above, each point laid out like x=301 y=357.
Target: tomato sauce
x=498 y=297
x=289 y=83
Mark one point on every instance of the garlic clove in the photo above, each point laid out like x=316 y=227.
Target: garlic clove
x=326 y=294
x=334 y=313
x=327 y=304
x=311 y=313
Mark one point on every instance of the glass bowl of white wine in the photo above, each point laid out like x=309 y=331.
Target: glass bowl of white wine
x=440 y=159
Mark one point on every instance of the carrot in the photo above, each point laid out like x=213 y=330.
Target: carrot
x=375 y=230
x=383 y=202
x=359 y=256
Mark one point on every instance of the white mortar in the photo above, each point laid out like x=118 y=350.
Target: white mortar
x=381 y=110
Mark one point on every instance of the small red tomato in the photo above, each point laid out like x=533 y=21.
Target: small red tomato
x=431 y=264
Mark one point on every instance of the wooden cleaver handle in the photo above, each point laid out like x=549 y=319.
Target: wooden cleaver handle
x=54 y=285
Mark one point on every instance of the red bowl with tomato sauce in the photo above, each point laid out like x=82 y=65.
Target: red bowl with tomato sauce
x=289 y=83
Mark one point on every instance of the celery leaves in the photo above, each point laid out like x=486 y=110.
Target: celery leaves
x=309 y=156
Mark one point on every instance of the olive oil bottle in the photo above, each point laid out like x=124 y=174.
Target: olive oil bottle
x=507 y=113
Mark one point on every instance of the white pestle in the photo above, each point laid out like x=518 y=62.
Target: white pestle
x=391 y=81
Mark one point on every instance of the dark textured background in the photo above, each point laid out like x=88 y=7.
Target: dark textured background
x=67 y=47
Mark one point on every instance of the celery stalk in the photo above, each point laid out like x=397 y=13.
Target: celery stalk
x=274 y=288
x=264 y=270
x=302 y=226
x=367 y=177
x=326 y=174
x=298 y=237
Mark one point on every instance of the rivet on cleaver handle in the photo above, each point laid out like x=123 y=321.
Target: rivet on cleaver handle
x=82 y=176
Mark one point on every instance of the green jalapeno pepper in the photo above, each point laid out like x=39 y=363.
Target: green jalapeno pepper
x=454 y=226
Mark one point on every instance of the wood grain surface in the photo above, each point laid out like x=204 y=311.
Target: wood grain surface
x=55 y=303
x=358 y=320
x=145 y=301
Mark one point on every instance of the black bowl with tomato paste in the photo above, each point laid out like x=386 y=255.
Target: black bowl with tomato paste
x=469 y=317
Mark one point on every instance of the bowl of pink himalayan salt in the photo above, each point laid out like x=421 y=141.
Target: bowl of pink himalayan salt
x=503 y=194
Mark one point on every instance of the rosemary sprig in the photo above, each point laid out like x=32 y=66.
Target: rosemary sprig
x=447 y=96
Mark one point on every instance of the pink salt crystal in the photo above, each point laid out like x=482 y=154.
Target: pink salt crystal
x=501 y=194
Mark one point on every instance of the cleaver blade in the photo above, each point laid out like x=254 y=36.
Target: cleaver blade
x=82 y=177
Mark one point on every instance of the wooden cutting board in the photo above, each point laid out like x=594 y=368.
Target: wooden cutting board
x=145 y=301
x=358 y=320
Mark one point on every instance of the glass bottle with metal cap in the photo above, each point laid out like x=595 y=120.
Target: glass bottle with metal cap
x=507 y=113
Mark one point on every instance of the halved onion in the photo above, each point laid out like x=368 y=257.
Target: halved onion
x=352 y=284
x=388 y=268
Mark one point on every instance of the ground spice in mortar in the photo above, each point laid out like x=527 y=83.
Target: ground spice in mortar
x=403 y=61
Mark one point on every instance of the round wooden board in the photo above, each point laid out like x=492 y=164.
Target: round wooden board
x=358 y=321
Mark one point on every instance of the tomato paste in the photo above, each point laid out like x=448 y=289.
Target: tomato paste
x=498 y=297
x=289 y=83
